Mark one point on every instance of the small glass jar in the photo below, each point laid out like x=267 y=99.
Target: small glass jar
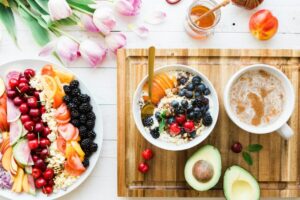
x=193 y=29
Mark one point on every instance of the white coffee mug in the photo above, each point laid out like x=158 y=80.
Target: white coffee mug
x=280 y=124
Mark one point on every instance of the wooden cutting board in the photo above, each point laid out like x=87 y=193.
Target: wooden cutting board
x=277 y=166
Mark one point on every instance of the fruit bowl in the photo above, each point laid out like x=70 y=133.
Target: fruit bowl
x=183 y=139
x=36 y=64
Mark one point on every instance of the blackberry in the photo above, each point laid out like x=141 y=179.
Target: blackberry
x=87 y=153
x=86 y=162
x=83 y=136
x=91 y=115
x=67 y=99
x=90 y=124
x=72 y=106
x=196 y=80
x=74 y=84
x=75 y=92
x=91 y=135
x=67 y=89
x=86 y=144
x=85 y=108
x=82 y=119
x=148 y=121
x=75 y=122
x=207 y=120
x=76 y=101
x=155 y=133
x=83 y=130
x=94 y=147
x=75 y=114
x=84 y=98
x=206 y=91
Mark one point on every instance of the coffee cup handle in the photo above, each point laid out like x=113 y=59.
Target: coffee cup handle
x=285 y=131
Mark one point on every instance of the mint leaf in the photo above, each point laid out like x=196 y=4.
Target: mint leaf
x=162 y=125
x=254 y=147
x=163 y=114
x=247 y=157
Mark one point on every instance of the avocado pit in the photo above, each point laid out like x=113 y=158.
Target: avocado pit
x=203 y=171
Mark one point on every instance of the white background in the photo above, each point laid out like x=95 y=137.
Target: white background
x=102 y=184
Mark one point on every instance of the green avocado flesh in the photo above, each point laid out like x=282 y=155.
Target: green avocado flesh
x=203 y=169
x=240 y=184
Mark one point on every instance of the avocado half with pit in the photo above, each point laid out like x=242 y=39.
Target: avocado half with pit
x=203 y=169
x=240 y=184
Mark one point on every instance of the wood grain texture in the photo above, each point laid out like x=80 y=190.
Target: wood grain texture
x=276 y=167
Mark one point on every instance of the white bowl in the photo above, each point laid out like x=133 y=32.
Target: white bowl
x=37 y=64
x=214 y=110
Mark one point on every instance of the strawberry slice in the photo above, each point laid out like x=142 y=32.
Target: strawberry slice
x=61 y=144
x=74 y=165
x=67 y=131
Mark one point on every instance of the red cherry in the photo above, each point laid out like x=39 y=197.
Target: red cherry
x=237 y=147
x=43 y=110
x=48 y=189
x=40 y=182
x=25 y=89
x=31 y=136
x=17 y=101
x=11 y=94
x=51 y=182
x=29 y=125
x=25 y=118
x=24 y=108
x=36 y=119
x=189 y=126
x=36 y=172
x=147 y=154
x=35 y=158
x=32 y=102
x=13 y=83
x=23 y=80
x=180 y=119
x=36 y=94
x=143 y=167
x=39 y=127
x=40 y=164
x=44 y=153
x=29 y=73
x=34 y=112
x=174 y=129
x=33 y=144
x=44 y=142
x=46 y=131
x=48 y=174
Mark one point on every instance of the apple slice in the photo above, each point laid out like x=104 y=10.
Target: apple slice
x=4 y=145
x=13 y=166
x=16 y=131
x=6 y=159
x=21 y=153
x=2 y=87
x=25 y=184
x=28 y=169
x=31 y=184
x=13 y=113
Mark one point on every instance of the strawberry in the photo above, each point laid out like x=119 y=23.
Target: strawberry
x=147 y=154
x=174 y=129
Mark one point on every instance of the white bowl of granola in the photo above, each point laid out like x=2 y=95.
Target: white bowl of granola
x=186 y=108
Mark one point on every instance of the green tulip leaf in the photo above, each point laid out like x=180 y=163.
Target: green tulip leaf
x=82 y=5
x=36 y=7
x=43 y=4
x=8 y=20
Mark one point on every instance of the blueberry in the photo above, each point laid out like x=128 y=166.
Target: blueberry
x=207 y=120
x=197 y=110
x=148 y=121
x=189 y=94
x=190 y=108
x=193 y=134
x=191 y=115
x=198 y=115
x=190 y=87
x=197 y=94
x=206 y=91
x=179 y=110
x=182 y=92
x=174 y=104
x=184 y=103
x=196 y=80
x=200 y=88
x=171 y=120
x=182 y=80
x=182 y=130
x=157 y=116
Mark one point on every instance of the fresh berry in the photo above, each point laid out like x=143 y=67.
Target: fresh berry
x=75 y=92
x=43 y=109
x=75 y=114
x=143 y=167
x=148 y=121
x=24 y=108
x=200 y=88
x=30 y=136
x=39 y=127
x=206 y=91
x=91 y=135
x=13 y=83
x=90 y=124
x=33 y=144
x=84 y=98
x=25 y=118
x=23 y=87
x=147 y=154
x=11 y=94
x=51 y=182
x=174 y=104
x=182 y=92
x=32 y=102
x=36 y=94
x=46 y=131
x=174 y=129
x=189 y=126
x=82 y=119
x=72 y=106
x=44 y=153
x=192 y=134
x=157 y=116
x=182 y=80
x=75 y=122
x=17 y=101
x=207 y=120
x=180 y=119
x=179 y=110
x=74 y=84
x=36 y=172
x=83 y=129
x=86 y=143
x=191 y=115
x=189 y=94
x=184 y=103
x=91 y=115
x=94 y=147
x=40 y=164
x=67 y=89
x=44 y=142
x=197 y=94
x=40 y=182
x=85 y=108
x=171 y=120
x=196 y=80
x=67 y=99
x=48 y=189
x=86 y=162
x=155 y=133
x=35 y=158
x=29 y=73
x=29 y=125
x=76 y=101
x=48 y=174
x=190 y=87
x=34 y=112
x=237 y=147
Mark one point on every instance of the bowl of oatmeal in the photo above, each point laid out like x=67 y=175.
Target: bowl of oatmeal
x=186 y=108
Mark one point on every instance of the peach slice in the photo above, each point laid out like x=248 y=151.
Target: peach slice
x=25 y=184
x=6 y=159
x=13 y=166
x=17 y=186
x=78 y=149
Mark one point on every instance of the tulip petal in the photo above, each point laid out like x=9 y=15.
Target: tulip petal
x=141 y=31
x=115 y=41
x=59 y=9
x=104 y=20
x=92 y=52
x=48 y=48
x=128 y=7
x=156 y=17
x=67 y=48
x=88 y=24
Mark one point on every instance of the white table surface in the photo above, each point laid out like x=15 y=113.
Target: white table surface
x=102 y=184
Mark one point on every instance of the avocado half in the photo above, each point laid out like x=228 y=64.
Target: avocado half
x=240 y=184
x=203 y=169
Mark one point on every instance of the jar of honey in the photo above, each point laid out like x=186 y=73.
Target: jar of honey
x=201 y=28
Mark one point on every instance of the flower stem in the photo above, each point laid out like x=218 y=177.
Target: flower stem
x=57 y=30
x=81 y=10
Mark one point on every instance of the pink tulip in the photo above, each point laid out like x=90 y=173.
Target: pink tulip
x=66 y=48
x=128 y=7
x=104 y=20
x=92 y=52
x=88 y=24
x=115 y=41
x=59 y=9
